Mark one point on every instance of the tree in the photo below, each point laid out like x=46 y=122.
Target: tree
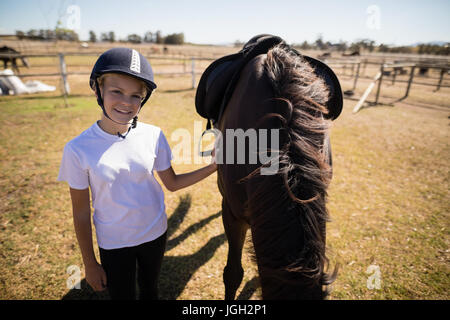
x=134 y=38
x=174 y=38
x=32 y=34
x=366 y=44
x=370 y=45
x=342 y=46
x=319 y=43
x=20 y=34
x=383 y=48
x=148 y=37
x=355 y=47
x=305 y=45
x=238 y=43
x=65 y=34
x=50 y=35
x=92 y=36
x=159 y=37
x=108 y=36
x=112 y=36
x=104 y=37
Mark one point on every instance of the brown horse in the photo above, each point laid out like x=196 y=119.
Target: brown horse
x=11 y=55
x=286 y=211
x=270 y=86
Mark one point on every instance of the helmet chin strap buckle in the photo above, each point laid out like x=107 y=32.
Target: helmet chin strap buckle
x=133 y=125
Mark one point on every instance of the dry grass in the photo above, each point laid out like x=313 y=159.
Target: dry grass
x=389 y=199
x=390 y=202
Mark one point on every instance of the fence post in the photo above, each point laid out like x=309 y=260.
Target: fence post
x=440 y=79
x=193 y=73
x=65 y=84
x=379 y=84
x=411 y=77
x=356 y=76
x=364 y=67
x=394 y=75
x=366 y=93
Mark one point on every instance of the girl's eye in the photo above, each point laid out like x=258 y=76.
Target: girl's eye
x=137 y=97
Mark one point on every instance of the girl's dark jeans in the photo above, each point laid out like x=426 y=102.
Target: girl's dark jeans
x=121 y=266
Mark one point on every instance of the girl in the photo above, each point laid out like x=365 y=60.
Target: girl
x=116 y=159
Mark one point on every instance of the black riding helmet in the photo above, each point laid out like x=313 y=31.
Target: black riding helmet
x=125 y=61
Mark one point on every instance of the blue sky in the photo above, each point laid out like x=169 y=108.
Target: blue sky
x=398 y=22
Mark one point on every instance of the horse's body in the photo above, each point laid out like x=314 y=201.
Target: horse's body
x=10 y=55
x=285 y=212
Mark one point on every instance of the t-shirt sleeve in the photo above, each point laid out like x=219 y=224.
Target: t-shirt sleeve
x=71 y=170
x=163 y=154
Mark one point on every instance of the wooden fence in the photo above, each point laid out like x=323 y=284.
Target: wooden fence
x=392 y=70
x=357 y=68
x=63 y=73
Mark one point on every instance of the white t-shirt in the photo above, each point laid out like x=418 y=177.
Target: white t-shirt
x=128 y=202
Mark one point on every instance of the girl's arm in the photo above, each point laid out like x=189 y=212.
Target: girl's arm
x=174 y=182
x=81 y=208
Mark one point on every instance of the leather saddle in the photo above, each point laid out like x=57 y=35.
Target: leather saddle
x=217 y=83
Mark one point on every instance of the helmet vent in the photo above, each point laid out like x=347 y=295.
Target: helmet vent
x=135 y=64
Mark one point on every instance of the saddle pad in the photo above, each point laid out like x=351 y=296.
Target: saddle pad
x=335 y=101
x=218 y=81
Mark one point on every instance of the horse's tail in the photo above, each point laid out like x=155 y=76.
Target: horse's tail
x=288 y=210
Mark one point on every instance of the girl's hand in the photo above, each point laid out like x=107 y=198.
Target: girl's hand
x=96 y=277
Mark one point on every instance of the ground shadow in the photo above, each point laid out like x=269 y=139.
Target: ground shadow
x=176 y=271
x=249 y=288
x=177 y=217
x=85 y=292
x=172 y=243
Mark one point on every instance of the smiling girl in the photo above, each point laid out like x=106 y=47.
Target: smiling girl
x=116 y=159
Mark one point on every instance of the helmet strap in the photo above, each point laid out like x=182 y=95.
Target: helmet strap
x=149 y=93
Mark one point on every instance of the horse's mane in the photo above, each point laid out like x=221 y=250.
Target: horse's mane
x=297 y=194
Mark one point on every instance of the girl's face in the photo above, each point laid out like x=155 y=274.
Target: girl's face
x=122 y=96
